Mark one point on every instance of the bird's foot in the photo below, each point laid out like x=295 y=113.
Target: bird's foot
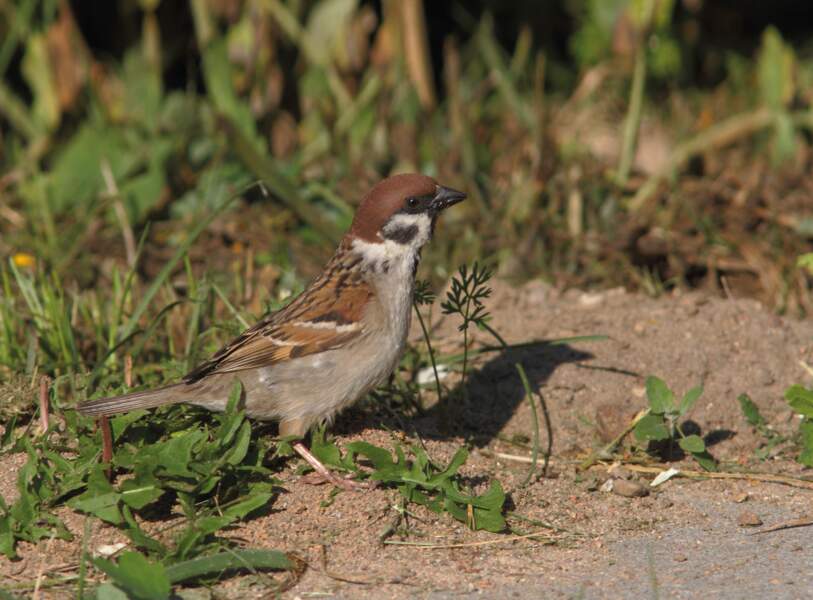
x=322 y=474
x=345 y=483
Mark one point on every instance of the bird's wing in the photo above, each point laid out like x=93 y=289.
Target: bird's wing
x=326 y=316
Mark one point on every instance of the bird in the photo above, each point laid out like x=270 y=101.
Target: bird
x=336 y=341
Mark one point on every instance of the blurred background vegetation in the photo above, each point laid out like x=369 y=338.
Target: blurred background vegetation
x=648 y=143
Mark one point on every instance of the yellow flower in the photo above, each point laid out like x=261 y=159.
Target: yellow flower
x=24 y=260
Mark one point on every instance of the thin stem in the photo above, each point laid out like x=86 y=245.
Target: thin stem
x=535 y=444
x=633 y=120
x=429 y=348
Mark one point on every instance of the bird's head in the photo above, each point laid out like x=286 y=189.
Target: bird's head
x=402 y=210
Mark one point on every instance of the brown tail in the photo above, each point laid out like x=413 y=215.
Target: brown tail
x=127 y=402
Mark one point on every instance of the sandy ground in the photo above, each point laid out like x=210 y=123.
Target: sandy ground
x=684 y=540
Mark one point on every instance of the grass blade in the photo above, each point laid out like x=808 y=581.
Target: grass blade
x=236 y=559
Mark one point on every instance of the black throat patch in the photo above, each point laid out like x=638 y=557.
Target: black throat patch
x=401 y=235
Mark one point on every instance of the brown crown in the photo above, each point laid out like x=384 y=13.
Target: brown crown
x=385 y=199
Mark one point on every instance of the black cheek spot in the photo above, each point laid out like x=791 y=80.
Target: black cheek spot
x=402 y=235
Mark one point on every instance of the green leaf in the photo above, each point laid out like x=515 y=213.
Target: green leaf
x=137 y=576
x=689 y=399
x=100 y=499
x=651 y=428
x=105 y=506
x=381 y=458
x=750 y=411
x=36 y=68
x=324 y=449
x=108 y=591
x=493 y=499
x=244 y=507
x=457 y=461
x=800 y=399
x=806 y=431
x=235 y=395
x=661 y=399
x=705 y=460
x=233 y=559
x=7 y=541
x=138 y=536
x=76 y=176
x=488 y=520
x=174 y=455
x=805 y=261
x=120 y=423
x=775 y=66
x=692 y=444
x=138 y=496
x=219 y=78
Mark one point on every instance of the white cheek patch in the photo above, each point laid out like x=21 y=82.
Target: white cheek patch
x=409 y=230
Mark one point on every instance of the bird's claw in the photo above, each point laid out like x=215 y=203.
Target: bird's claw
x=345 y=483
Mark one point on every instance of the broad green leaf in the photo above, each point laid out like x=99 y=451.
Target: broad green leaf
x=7 y=542
x=142 y=192
x=800 y=399
x=493 y=498
x=138 y=536
x=457 y=461
x=174 y=455
x=232 y=559
x=76 y=176
x=488 y=520
x=692 y=443
x=244 y=507
x=806 y=431
x=235 y=395
x=775 y=66
x=750 y=411
x=705 y=460
x=217 y=73
x=381 y=458
x=240 y=449
x=138 y=496
x=651 y=428
x=805 y=261
x=143 y=89
x=661 y=399
x=108 y=591
x=140 y=578
x=120 y=423
x=689 y=399
x=104 y=506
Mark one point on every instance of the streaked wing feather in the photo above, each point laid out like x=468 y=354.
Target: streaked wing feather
x=325 y=316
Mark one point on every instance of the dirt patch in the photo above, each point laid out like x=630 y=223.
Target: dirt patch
x=682 y=539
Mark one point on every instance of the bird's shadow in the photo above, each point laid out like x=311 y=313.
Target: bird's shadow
x=481 y=408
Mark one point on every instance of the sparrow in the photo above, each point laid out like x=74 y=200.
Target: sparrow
x=336 y=341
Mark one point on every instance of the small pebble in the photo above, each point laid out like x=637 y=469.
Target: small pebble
x=740 y=498
x=680 y=558
x=748 y=519
x=616 y=471
x=629 y=489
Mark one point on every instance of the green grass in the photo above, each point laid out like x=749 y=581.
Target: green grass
x=215 y=468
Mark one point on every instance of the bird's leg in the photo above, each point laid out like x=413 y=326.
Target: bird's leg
x=326 y=475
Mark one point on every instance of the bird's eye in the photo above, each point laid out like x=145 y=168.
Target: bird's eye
x=413 y=202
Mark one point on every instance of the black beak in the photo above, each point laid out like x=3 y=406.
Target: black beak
x=445 y=197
